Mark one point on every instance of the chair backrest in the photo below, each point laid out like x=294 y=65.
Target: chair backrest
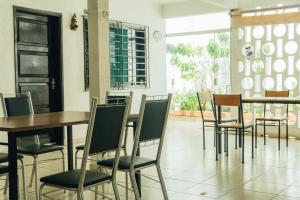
x=16 y=105
x=272 y=93
x=203 y=99
x=227 y=100
x=276 y=93
x=105 y=133
x=117 y=97
x=20 y=104
x=153 y=117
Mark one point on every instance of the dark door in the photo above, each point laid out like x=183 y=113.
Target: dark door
x=38 y=64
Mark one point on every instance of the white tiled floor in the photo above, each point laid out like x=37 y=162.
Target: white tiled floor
x=193 y=174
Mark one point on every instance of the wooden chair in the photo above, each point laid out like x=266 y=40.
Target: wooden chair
x=230 y=100
x=205 y=98
x=273 y=120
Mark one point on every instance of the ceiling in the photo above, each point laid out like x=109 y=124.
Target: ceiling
x=230 y=4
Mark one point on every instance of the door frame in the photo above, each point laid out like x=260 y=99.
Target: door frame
x=59 y=80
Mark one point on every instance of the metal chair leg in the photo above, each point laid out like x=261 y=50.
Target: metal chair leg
x=162 y=183
x=279 y=134
x=264 y=132
x=287 y=132
x=215 y=135
x=126 y=183
x=236 y=136
x=255 y=134
x=6 y=185
x=80 y=195
x=203 y=135
x=41 y=191
x=225 y=144
x=36 y=177
x=23 y=179
x=226 y=133
x=32 y=175
x=76 y=158
x=243 y=147
x=217 y=145
x=252 y=144
x=116 y=191
x=134 y=185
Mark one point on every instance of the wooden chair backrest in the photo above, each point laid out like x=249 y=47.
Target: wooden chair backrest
x=271 y=93
x=204 y=97
x=228 y=99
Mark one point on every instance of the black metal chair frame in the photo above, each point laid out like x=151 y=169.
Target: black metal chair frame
x=142 y=138
x=273 y=122
x=34 y=173
x=23 y=176
x=112 y=98
x=243 y=129
x=93 y=147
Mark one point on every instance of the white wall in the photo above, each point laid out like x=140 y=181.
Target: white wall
x=75 y=98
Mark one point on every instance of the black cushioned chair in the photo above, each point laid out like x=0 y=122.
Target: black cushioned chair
x=21 y=104
x=105 y=134
x=112 y=98
x=3 y=171
x=150 y=130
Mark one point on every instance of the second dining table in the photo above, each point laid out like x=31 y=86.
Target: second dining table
x=19 y=126
x=264 y=100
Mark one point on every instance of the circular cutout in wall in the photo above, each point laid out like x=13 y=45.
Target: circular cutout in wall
x=247 y=83
x=258 y=32
x=291 y=47
x=258 y=66
x=268 y=83
x=268 y=49
x=279 y=65
x=290 y=83
x=279 y=30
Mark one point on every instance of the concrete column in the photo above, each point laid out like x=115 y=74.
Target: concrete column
x=98 y=20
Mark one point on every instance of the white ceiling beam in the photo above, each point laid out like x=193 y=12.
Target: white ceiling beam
x=188 y=8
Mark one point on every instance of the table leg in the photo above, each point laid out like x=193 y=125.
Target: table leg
x=13 y=168
x=219 y=135
x=70 y=147
x=137 y=175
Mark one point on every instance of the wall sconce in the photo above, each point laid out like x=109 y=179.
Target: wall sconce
x=74 y=25
x=105 y=13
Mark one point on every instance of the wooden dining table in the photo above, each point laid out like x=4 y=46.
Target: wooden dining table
x=263 y=100
x=19 y=126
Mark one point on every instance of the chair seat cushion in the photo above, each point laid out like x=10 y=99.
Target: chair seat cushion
x=4 y=157
x=3 y=169
x=39 y=149
x=236 y=125
x=81 y=147
x=223 y=120
x=70 y=179
x=125 y=161
x=271 y=118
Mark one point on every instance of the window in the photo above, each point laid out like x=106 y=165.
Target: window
x=128 y=48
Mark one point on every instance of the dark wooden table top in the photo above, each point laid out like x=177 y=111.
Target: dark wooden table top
x=274 y=100
x=47 y=120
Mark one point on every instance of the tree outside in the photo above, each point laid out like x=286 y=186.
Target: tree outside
x=201 y=67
